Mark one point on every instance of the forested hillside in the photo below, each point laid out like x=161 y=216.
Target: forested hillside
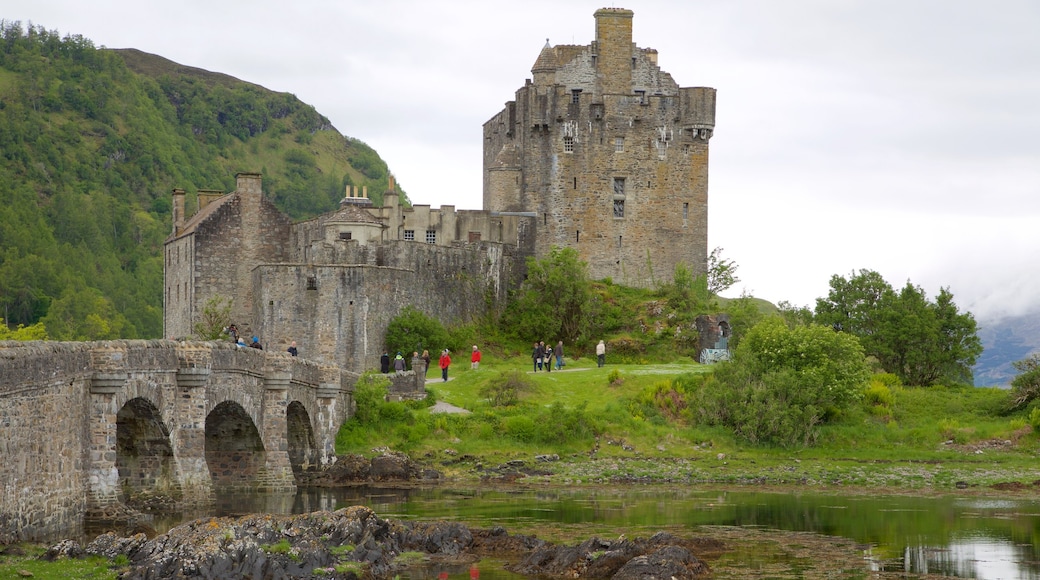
x=92 y=141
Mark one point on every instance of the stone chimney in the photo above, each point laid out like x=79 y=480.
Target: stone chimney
x=207 y=196
x=614 y=52
x=248 y=183
x=178 y=211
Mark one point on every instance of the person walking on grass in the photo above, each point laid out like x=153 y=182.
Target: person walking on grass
x=601 y=354
x=536 y=357
x=474 y=359
x=559 y=355
x=445 y=363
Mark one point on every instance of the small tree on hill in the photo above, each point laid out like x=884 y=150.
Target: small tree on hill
x=722 y=273
x=555 y=301
x=922 y=342
x=1026 y=386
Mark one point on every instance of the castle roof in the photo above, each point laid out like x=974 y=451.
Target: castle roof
x=508 y=157
x=546 y=61
x=200 y=216
x=352 y=214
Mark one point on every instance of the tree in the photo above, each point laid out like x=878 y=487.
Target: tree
x=556 y=299
x=920 y=341
x=216 y=318
x=22 y=332
x=722 y=273
x=414 y=331
x=1025 y=387
x=794 y=315
x=784 y=382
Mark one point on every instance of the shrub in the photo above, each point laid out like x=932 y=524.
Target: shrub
x=1034 y=419
x=614 y=378
x=520 y=428
x=783 y=383
x=414 y=331
x=506 y=388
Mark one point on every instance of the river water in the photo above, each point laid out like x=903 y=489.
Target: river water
x=959 y=536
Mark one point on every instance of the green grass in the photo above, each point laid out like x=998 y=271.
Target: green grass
x=603 y=431
x=93 y=568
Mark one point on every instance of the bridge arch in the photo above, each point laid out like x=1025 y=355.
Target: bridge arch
x=144 y=453
x=303 y=452
x=235 y=452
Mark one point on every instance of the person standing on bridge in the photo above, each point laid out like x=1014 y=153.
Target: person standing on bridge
x=292 y=349
x=445 y=363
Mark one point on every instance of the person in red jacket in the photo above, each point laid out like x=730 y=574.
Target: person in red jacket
x=445 y=363
x=474 y=360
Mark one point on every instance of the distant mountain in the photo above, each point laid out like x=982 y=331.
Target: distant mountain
x=92 y=141
x=1005 y=341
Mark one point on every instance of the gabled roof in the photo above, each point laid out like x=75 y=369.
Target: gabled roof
x=200 y=216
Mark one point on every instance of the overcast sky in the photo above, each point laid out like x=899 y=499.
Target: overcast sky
x=901 y=136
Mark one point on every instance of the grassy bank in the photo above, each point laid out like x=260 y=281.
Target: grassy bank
x=631 y=423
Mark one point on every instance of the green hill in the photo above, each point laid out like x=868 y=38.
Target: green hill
x=93 y=141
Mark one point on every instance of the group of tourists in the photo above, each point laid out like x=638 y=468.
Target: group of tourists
x=232 y=331
x=542 y=356
x=445 y=361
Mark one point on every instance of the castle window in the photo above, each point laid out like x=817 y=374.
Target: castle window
x=685 y=211
x=575 y=183
x=575 y=95
x=642 y=97
x=312 y=283
x=431 y=236
x=474 y=236
x=568 y=144
x=619 y=144
x=619 y=208
x=345 y=235
x=409 y=235
x=619 y=187
x=577 y=236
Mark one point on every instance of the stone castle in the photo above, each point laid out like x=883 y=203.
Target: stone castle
x=611 y=156
x=602 y=152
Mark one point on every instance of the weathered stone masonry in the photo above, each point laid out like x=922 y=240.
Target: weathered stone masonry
x=610 y=154
x=84 y=425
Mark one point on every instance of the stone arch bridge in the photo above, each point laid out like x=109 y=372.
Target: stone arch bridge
x=86 y=425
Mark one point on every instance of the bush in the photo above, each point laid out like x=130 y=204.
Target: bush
x=1034 y=419
x=520 y=428
x=506 y=388
x=414 y=331
x=783 y=383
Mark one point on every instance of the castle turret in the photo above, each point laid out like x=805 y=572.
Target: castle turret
x=544 y=69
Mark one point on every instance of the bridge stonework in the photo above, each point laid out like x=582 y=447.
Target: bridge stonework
x=86 y=425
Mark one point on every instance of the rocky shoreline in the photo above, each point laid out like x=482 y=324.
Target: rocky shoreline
x=354 y=542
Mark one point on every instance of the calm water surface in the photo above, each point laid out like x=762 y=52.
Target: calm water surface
x=966 y=537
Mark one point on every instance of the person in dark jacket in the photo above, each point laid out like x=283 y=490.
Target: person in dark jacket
x=256 y=344
x=292 y=350
x=384 y=363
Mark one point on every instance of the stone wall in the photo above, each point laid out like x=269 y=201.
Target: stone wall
x=44 y=395
x=339 y=313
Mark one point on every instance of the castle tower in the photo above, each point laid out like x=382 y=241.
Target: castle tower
x=610 y=154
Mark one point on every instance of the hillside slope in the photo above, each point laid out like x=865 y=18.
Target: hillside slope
x=93 y=141
x=1006 y=341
